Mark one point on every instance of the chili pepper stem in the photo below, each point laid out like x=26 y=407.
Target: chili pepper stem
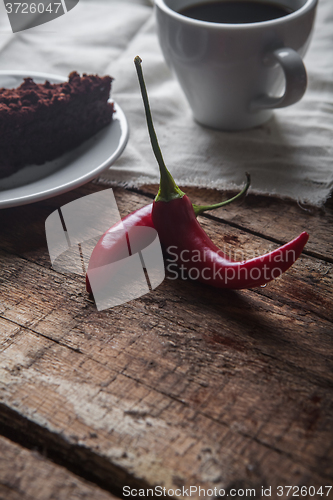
x=168 y=189
x=199 y=209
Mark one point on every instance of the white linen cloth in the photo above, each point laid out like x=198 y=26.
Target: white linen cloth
x=290 y=156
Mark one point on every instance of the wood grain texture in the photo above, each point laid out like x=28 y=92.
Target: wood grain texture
x=27 y=475
x=184 y=386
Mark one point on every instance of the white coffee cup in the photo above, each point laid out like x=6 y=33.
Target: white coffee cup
x=234 y=75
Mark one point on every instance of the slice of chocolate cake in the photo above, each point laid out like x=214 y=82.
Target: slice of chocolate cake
x=40 y=122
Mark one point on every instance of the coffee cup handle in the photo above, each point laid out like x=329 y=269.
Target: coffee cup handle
x=295 y=79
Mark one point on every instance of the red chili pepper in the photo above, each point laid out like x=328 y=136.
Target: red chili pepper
x=110 y=247
x=184 y=239
x=180 y=233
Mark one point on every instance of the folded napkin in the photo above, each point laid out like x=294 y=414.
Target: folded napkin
x=290 y=156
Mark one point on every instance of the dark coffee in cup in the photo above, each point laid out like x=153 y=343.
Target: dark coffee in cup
x=236 y=11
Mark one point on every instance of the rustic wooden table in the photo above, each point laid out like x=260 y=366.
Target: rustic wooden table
x=186 y=386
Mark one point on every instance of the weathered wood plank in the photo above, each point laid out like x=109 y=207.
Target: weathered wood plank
x=192 y=438
x=294 y=290
x=185 y=386
x=183 y=367
x=28 y=475
x=22 y=228
x=237 y=243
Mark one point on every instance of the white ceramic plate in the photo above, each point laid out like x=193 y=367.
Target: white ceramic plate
x=39 y=182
